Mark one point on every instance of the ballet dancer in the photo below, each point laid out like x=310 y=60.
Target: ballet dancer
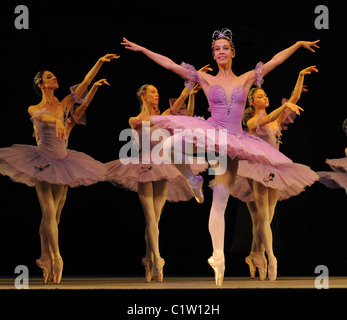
x=338 y=178
x=259 y=185
x=155 y=182
x=50 y=166
x=226 y=94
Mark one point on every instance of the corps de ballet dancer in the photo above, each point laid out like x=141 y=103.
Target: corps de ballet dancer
x=154 y=181
x=50 y=167
x=261 y=186
x=338 y=177
x=227 y=95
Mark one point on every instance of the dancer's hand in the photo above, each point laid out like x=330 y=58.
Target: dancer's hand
x=101 y=82
x=308 y=70
x=131 y=45
x=108 y=57
x=206 y=68
x=195 y=90
x=60 y=129
x=294 y=107
x=309 y=44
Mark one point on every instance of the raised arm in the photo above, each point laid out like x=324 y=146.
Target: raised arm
x=285 y=54
x=254 y=122
x=281 y=57
x=69 y=101
x=191 y=100
x=296 y=94
x=185 y=72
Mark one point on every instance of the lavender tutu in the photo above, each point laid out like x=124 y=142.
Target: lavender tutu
x=126 y=173
x=338 y=178
x=226 y=114
x=290 y=179
x=49 y=161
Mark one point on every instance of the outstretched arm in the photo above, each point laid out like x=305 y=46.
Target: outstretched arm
x=294 y=98
x=285 y=54
x=253 y=123
x=165 y=62
x=69 y=101
x=158 y=58
x=281 y=57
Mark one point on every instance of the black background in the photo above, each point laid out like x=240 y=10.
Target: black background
x=102 y=227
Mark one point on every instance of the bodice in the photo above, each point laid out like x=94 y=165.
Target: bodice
x=149 y=138
x=49 y=143
x=227 y=112
x=271 y=134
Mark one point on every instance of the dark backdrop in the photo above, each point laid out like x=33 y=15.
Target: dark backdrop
x=102 y=227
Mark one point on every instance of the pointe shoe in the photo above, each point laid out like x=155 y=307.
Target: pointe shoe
x=272 y=268
x=218 y=265
x=260 y=262
x=46 y=267
x=149 y=268
x=56 y=276
x=196 y=187
x=158 y=276
x=251 y=265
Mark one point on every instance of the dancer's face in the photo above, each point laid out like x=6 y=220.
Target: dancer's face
x=223 y=52
x=49 y=81
x=260 y=99
x=151 y=96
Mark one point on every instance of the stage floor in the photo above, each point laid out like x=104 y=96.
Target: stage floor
x=129 y=293
x=172 y=283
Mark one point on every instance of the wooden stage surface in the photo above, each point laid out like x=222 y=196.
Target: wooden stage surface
x=127 y=291
x=110 y=283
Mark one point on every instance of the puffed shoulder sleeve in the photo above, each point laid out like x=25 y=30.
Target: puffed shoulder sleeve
x=258 y=70
x=193 y=76
x=78 y=101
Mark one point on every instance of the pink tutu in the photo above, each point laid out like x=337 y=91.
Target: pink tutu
x=25 y=163
x=290 y=179
x=338 y=165
x=333 y=180
x=242 y=145
x=50 y=160
x=338 y=178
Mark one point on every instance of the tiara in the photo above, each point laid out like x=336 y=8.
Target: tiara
x=225 y=33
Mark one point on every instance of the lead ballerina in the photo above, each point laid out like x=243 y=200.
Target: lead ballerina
x=227 y=95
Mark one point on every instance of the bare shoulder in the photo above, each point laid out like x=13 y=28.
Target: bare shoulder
x=133 y=121
x=33 y=108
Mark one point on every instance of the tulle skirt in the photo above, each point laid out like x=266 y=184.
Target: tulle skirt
x=25 y=164
x=204 y=134
x=333 y=180
x=338 y=178
x=127 y=176
x=290 y=179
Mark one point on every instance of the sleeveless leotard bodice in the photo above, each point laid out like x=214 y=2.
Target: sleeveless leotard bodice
x=227 y=112
x=270 y=134
x=49 y=143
